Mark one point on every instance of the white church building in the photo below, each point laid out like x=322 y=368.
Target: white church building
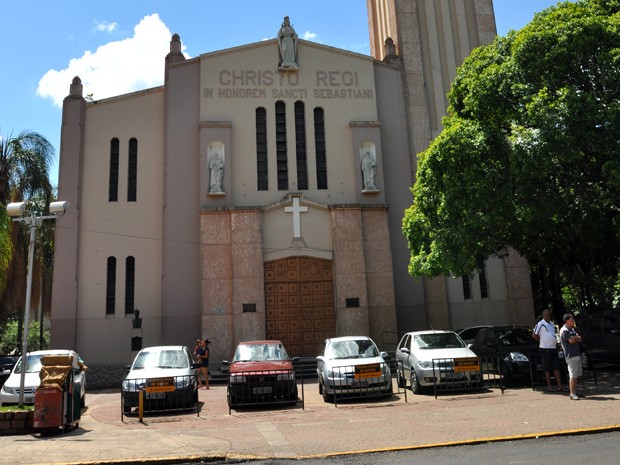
x=259 y=193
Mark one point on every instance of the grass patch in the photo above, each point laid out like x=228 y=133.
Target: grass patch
x=15 y=408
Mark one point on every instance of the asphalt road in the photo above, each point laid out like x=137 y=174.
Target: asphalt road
x=599 y=449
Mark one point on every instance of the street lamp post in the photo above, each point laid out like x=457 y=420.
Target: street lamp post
x=17 y=210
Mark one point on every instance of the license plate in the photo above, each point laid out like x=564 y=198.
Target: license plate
x=261 y=390
x=155 y=395
x=29 y=399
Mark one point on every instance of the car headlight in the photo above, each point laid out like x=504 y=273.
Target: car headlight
x=518 y=357
x=133 y=385
x=181 y=382
x=286 y=377
x=237 y=379
x=8 y=390
x=425 y=365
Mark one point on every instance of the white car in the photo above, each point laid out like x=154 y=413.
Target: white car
x=436 y=357
x=9 y=394
x=352 y=366
x=166 y=374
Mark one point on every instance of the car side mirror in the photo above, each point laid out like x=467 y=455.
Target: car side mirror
x=384 y=355
x=6 y=372
x=405 y=350
x=615 y=332
x=196 y=365
x=225 y=362
x=320 y=358
x=128 y=368
x=470 y=346
x=295 y=359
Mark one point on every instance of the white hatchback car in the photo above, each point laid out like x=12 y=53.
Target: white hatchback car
x=436 y=357
x=9 y=394
x=352 y=366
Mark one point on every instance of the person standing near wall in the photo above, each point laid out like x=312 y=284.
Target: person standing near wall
x=202 y=357
x=545 y=334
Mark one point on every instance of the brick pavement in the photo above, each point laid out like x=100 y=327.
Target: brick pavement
x=319 y=429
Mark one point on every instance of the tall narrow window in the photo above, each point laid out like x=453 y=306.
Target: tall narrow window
x=132 y=170
x=466 y=287
x=484 y=285
x=262 y=168
x=319 y=149
x=300 y=145
x=281 y=153
x=113 y=187
x=130 y=282
x=110 y=293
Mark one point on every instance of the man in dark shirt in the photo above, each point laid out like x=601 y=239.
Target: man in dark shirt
x=572 y=353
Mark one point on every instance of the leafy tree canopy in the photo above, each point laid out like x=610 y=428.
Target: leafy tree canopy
x=530 y=154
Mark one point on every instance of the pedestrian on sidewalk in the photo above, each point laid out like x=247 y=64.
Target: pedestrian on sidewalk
x=572 y=354
x=547 y=337
x=202 y=357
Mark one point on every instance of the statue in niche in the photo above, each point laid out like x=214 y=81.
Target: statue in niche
x=216 y=165
x=287 y=44
x=369 y=171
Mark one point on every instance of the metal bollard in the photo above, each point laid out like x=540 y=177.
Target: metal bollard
x=141 y=404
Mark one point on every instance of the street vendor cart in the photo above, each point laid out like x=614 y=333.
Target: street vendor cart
x=57 y=399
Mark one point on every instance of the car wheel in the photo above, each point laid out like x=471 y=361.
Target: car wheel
x=586 y=361
x=415 y=385
x=507 y=375
x=329 y=398
x=232 y=400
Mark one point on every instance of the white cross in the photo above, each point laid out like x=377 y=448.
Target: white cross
x=296 y=209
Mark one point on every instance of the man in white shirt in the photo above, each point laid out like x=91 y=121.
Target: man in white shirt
x=545 y=334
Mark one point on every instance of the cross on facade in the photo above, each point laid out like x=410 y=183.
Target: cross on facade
x=296 y=209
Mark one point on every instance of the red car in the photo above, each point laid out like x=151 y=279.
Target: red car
x=261 y=372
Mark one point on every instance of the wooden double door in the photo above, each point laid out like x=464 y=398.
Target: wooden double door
x=299 y=303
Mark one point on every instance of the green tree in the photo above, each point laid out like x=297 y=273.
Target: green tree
x=530 y=158
x=24 y=175
x=10 y=339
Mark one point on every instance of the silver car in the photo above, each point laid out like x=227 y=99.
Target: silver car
x=352 y=366
x=427 y=358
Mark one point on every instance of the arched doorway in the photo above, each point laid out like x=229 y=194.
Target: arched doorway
x=299 y=303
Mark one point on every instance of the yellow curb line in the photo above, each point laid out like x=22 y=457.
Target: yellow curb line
x=568 y=432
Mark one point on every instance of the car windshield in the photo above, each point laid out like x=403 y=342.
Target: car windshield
x=514 y=336
x=260 y=352
x=33 y=364
x=161 y=359
x=358 y=348
x=438 y=341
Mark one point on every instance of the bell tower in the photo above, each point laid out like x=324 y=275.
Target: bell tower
x=428 y=40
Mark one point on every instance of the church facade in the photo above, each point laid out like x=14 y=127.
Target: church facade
x=259 y=193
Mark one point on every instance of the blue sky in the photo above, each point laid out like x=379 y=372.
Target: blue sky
x=119 y=46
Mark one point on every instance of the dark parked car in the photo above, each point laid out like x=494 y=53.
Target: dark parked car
x=515 y=349
x=7 y=362
x=261 y=372
x=469 y=334
x=601 y=336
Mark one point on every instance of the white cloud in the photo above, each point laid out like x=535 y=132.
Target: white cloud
x=105 y=26
x=115 y=68
x=310 y=35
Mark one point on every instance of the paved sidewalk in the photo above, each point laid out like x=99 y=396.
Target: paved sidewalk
x=319 y=429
